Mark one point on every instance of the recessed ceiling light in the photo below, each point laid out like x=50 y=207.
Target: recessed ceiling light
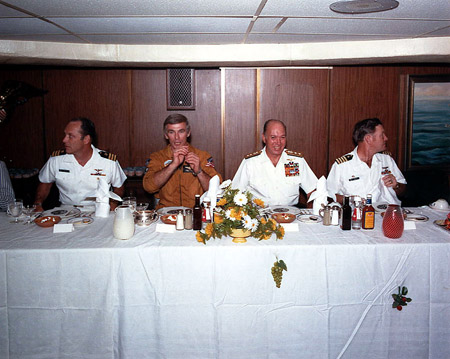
x=363 y=6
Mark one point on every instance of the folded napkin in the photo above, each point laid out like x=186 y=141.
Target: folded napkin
x=165 y=228
x=213 y=191
x=63 y=228
x=102 y=196
x=319 y=196
x=290 y=227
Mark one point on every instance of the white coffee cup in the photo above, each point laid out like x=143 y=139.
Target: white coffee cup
x=440 y=204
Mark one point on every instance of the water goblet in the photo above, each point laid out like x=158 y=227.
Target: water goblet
x=130 y=202
x=28 y=210
x=15 y=210
x=141 y=206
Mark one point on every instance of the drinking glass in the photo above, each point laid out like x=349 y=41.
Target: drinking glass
x=130 y=202
x=141 y=206
x=28 y=210
x=15 y=210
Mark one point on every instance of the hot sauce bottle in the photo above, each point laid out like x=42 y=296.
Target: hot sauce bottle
x=368 y=214
x=197 y=214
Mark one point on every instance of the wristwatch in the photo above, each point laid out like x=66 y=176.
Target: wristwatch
x=196 y=174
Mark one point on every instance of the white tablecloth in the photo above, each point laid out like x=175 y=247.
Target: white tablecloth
x=86 y=294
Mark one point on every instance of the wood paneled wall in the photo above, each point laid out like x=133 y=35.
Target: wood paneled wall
x=319 y=106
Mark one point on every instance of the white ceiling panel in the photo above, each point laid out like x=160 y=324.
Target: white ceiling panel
x=258 y=38
x=27 y=26
x=360 y=27
x=207 y=22
x=137 y=7
x=167 y=39
x=412 y=9
x=154 y=24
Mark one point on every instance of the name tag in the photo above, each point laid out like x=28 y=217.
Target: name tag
x=353 y=179
x=66 y=171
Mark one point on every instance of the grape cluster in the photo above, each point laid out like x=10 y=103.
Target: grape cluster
x=277 y=272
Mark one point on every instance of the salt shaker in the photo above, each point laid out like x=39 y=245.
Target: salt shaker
x=180 y=221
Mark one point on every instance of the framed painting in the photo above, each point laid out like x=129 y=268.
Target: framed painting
x=429 y=122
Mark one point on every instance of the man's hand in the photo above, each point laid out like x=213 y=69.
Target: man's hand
x=194 y=161
x=179 y=155
x=389 y=180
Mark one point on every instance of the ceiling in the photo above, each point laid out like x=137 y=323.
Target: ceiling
x=100 y=24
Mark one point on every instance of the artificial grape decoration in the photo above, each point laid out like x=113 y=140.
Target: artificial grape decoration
x=277 y=271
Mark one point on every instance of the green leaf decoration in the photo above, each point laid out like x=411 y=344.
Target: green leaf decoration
x=404 y=291
x=282 y=264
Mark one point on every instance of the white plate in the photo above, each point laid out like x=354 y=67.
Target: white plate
x=309 y=218
x=284 y=209
x=80 y=221
x=416 y=218
x=439 y=210
x=63 y=212
x=170 y=210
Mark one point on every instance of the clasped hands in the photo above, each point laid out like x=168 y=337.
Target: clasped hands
x=182 y=154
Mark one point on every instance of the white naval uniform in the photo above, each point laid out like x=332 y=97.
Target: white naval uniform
x=351 y=176
x=76 y=182
x=275 y=185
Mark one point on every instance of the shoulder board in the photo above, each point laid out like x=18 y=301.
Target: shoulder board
x=343 y=159
x=386 y=153
x=254 y=154
x=58 y=153
x=109 y=156
x=293 y=153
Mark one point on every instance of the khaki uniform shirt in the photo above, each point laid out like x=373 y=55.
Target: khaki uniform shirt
x=182 y=186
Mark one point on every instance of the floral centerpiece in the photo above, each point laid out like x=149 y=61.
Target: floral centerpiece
x=239 y=210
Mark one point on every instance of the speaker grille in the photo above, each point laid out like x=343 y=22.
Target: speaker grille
x=180 y=89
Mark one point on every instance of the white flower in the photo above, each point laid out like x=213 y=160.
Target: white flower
x=228 y=214
x=250 y=223
x=240 y=199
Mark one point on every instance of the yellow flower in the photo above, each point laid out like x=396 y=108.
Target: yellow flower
x=258 y=202
x=263 y=220
x=209 y=229
x=273 y=222
x=266 y=236
x=199 y=237
x=281 y=235
x=222 y=202
x=218 y=218
x=236 y=214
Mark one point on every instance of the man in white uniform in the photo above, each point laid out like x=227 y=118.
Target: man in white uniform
x=275 y=174
x=77 y=169
x=365 y=170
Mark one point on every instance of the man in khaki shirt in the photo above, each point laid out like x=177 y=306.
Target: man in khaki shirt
x=180 y=171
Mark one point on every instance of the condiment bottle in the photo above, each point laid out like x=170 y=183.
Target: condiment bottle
x=206 y=217
x=188 y=219
x=197 y=214
x=346 y=215
x=179 y=226
x=368 y=214
x=356 y=216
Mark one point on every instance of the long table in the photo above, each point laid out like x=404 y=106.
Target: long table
x=86 y=294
